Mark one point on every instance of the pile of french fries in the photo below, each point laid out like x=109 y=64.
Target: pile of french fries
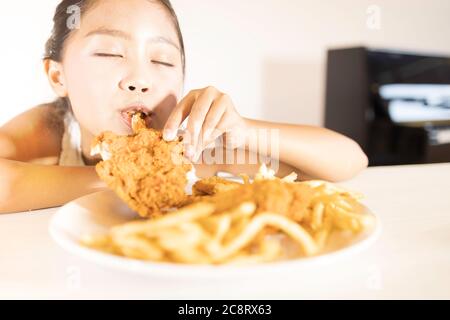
x=197 y=234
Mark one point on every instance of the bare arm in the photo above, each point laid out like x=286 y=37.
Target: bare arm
x=316 y=152
x=26 y=186
x=35 y=137
x=249 y=167
x=32 y=135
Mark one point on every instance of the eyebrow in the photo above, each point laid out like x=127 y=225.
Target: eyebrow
x=127 y=36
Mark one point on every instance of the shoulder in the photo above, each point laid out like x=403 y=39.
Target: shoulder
x=42 y=116
x=48 y=119
x=52 y=115
x=36 y=133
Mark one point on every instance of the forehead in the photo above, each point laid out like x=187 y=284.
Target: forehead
x=141 y=19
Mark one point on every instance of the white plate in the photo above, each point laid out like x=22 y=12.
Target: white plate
x=98 y=212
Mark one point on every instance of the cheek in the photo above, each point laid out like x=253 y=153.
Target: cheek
x=167 y=106
x=163 y=109
x=90 y=80
x=90 y=90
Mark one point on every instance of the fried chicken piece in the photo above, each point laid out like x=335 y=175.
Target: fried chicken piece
x=213 y=185
x=289 y=199
x=145 y=171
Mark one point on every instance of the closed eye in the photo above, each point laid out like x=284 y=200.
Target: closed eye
x=163 y=63
x=108 y=55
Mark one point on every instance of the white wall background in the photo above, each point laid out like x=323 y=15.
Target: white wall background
x=269 y=55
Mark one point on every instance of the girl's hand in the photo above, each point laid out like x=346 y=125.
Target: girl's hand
x=211 y=115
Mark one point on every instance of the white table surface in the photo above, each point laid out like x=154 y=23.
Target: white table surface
x=411 y=259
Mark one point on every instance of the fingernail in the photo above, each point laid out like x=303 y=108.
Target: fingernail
x=169 y=135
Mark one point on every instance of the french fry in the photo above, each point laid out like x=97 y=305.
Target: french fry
x=224 y=225
x=317 y=216
x=99 y=242
x=322 y=235
x=186 y=214
x=181 y=237
x=198 y=234
x=136 y=247
x=350 y=220
x=191 y=256
x=245 y=178
x=258 y=223
x=269 y=251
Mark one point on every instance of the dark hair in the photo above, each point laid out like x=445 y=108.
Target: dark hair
x=55 y=44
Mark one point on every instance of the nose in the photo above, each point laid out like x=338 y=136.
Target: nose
x=137 y=88
x=136 y=84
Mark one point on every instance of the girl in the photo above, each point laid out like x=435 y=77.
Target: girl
x=129 y=55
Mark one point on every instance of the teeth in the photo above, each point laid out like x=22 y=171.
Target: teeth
x=134 y=112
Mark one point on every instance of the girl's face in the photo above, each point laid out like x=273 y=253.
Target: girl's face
x=125 y=54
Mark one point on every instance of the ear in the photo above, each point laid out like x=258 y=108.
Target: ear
x=55 y=75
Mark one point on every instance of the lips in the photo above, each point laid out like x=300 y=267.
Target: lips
x=127 y=113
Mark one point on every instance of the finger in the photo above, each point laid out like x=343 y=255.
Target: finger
x=210 y=143
x=197 y=117
x=210 y=132
x=178 y=115
x=233 y=136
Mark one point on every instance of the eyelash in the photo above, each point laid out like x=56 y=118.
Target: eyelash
x=163 y=63
x=109 y=55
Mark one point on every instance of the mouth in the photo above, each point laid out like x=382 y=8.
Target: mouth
x=126 y=115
